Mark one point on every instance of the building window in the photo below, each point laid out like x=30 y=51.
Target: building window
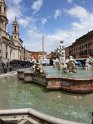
x=85 y=52
x=15 y=28
x=86 y=45
x=4 y=10
x=6 y=55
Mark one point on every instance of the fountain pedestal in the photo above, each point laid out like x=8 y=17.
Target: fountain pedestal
x=20 y=74
x=73 y=85
x=27 y=76
x=70 y=84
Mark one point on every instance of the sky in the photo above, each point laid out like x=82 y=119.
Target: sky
x=56 y=20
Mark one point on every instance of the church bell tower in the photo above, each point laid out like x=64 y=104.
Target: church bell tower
x=15 y=30
x=3 y=16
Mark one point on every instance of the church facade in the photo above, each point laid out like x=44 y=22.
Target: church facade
x=10 y=45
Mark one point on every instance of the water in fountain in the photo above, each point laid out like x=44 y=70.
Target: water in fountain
x=17 y=94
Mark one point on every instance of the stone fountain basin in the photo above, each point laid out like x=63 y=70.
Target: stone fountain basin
x=81 y=82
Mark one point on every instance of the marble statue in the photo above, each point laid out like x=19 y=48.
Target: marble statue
x=71 y=67
x=38 y=68
x=88 y=63
x=56 y=63
x=67 y=66
x=61 y=55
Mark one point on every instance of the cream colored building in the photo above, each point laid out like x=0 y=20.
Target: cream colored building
x=10 y=46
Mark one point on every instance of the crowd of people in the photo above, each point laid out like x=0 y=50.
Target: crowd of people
x=14 y=65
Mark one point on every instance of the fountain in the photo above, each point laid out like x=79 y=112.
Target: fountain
x=58 y=107
x=65 y=75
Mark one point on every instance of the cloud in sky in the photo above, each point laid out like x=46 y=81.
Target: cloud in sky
x=43 y=21
x=33 y=36
x=33 y=39
x=17 y=1
x=14 y=9
x=13 y=2
x=25 y=21
x=79 y=12
x=69 y=1
x=11 y=13
x=85 y=22
x=78 y=28
x=37 y=5
x=57 y=13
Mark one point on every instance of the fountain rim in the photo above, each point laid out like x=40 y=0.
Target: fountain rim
x=36 y=114
x=60 y=77
x=70 y=78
